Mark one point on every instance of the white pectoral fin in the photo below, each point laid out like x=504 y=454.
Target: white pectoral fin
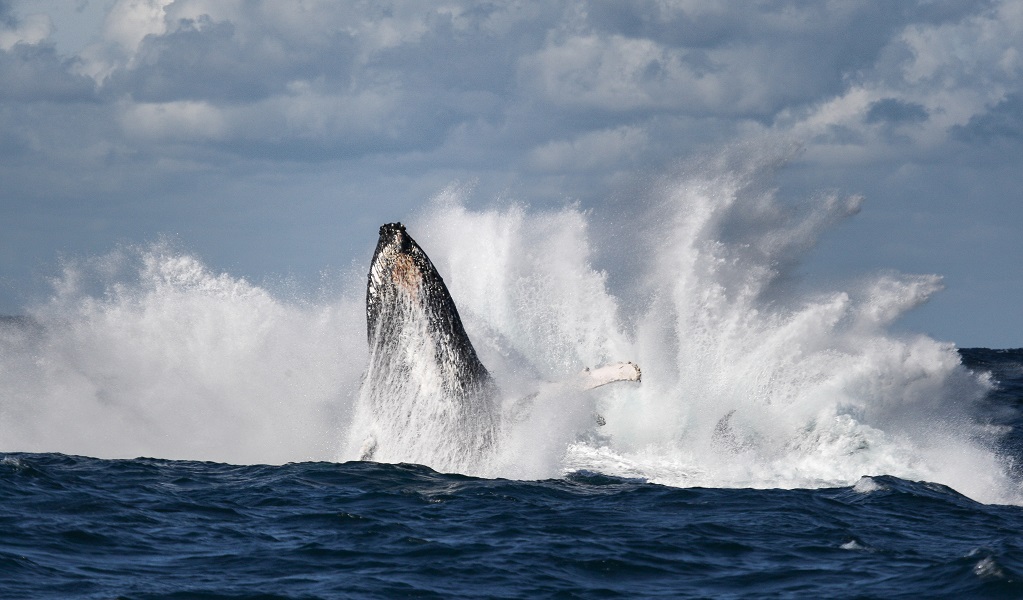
x=585 y=380
x=614 y=372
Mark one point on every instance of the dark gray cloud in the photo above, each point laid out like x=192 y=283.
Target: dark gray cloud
x=893 y=110
x=35 y=73
x=219 y=61
x=1004 y=122
x=544 y=84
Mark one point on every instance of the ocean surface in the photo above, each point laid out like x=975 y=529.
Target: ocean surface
x=78 y=527
x=788 y=438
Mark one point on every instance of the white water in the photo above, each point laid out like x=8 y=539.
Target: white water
x=148 y=352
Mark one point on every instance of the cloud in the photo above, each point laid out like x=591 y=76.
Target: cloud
x=319 y=81
x=29 y=31
x=612 y=73
x=931 y=78
x=30 y=69
x=542 y=100
x=127 y=23
x=528 y=90
x=538 y=82
x=1003 y=122
x=36 y=73
x=610 y=148
x=893 y=110
x=176 y=120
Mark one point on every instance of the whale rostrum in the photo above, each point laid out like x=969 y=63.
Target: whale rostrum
x=426 y=396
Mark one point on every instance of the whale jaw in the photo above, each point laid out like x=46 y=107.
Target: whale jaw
x=426 y=397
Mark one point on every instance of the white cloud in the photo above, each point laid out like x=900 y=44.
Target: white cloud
x=31 y=30
x=130 y=21
x=963 y=68
x=174 y=121
x=954 y=71
x=609 y=148
x=125 y=26
x=313 y=114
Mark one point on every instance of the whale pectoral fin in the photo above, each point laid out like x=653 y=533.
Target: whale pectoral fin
x=369 y=448
x=614 y=372
x=594 y=378
x=586 y=380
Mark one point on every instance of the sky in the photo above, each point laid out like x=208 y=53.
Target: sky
x=272 y=138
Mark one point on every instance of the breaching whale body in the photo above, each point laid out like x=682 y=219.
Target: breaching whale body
x=426 y=397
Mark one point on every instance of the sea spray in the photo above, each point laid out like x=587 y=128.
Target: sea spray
x=145 y=351
x=748 y=381
x=745 y=383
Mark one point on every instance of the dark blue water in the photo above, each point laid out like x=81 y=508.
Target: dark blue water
x=76 y=527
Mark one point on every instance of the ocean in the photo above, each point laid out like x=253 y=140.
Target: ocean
x=76 y=527
x=170 y=430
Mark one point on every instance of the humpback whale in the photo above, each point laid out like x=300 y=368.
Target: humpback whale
x=426 y=396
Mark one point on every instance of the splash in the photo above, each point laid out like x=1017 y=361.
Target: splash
x=147 y=352
x=748 y=382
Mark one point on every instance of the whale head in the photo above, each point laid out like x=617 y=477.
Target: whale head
x=429 y=397
x=400 y=274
